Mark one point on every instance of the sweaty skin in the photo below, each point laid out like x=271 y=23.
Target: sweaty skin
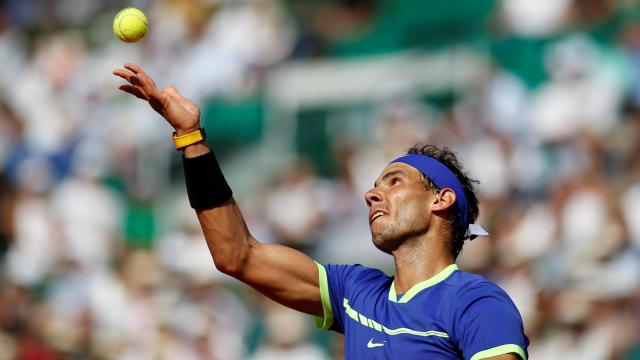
x=410 y=224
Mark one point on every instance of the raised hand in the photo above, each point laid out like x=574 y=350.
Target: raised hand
x=179 y=111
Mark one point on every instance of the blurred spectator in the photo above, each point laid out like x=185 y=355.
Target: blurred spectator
x=299 y=189
x=103 y=258
x=534 y=17
x=286 y=338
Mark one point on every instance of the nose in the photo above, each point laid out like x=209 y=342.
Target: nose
x=372 y=196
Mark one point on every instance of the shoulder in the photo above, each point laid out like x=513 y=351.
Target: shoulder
x=486 y=322
x=469 y=289
x=469 y=284
x=355 y=272
x=354 y=279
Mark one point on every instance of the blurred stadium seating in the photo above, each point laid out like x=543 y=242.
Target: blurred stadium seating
x=305 y=102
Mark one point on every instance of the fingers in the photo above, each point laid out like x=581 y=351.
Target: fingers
x=137 y=77
x=143 y=87
x=134 y=90
x=133 y=87
x=130 y=77
x=126 y=75
x=145 y=80
x=133 y=68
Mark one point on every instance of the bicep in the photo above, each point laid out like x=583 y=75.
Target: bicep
x=281 y=273
x=285 y=275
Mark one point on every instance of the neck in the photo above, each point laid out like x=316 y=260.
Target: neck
x=419 y=259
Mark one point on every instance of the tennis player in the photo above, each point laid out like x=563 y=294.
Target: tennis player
x=421 y=210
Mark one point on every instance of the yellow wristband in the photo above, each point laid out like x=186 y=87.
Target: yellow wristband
x=188 y=139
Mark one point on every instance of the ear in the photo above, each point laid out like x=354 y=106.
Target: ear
x=443 y=200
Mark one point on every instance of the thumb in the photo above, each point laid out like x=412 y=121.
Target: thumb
x=175 y=95
x=172 y=92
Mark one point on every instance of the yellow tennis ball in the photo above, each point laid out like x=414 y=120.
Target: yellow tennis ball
x=130 y=24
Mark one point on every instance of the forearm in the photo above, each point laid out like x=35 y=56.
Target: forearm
x=222 y=222
x=227 y=236
x=195 y=150
x=281 y=273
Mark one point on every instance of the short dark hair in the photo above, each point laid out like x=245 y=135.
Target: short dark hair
x=450 y=160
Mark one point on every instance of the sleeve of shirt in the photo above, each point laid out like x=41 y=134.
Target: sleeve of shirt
x=333 y=279
x=489 y=324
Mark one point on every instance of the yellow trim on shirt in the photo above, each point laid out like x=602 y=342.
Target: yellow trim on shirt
x=500 y=350
x=415 y=289
x=326 y=321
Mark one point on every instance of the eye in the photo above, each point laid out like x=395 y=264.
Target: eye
x=395 y=181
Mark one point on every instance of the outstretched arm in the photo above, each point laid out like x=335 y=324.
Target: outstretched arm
x=283 y=274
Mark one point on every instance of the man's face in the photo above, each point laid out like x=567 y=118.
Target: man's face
x=398 y=206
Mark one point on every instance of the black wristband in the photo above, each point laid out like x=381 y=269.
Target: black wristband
x=206 y=185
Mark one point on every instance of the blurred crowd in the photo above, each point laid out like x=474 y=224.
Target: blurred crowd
x=102 y=257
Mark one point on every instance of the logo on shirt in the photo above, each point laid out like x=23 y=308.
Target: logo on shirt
x=372 y=344
x=381 y=328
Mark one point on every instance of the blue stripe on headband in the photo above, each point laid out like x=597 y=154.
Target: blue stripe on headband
x=440 y=176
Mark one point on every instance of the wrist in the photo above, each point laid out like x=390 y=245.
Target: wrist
x=187 y=130
x=195 y=150
x=206 y=185
x=191 y=141
x=191 y=138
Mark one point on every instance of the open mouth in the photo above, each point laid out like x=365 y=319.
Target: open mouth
x=375 y=215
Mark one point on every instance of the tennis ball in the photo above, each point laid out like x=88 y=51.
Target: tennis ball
x=130 y=24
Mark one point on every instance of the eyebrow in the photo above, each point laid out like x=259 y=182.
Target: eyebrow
x=388 y=175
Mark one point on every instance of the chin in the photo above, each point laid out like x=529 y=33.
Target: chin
x=384 y=242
